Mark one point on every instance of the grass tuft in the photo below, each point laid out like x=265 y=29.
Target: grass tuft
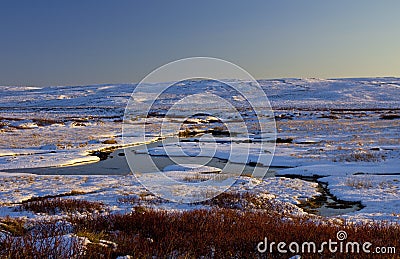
x=53 y=206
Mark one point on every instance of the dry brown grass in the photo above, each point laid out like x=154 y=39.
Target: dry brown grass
x=359 y=183
x=360 y=156
x=59 y=205
x=221 y=232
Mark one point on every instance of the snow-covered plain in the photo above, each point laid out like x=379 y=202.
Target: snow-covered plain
x=343 y=130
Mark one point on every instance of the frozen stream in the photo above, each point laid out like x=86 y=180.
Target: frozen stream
x=115 y=163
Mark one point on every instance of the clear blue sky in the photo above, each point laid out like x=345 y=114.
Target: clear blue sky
x=54 y=42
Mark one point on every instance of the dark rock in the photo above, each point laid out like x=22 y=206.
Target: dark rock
x=284 y=140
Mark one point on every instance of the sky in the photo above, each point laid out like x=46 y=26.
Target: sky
x=75 y=42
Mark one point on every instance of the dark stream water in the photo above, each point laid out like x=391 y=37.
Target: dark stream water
x=113 y=162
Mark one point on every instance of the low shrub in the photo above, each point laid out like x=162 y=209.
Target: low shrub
x=222 y=233
x=59 y=205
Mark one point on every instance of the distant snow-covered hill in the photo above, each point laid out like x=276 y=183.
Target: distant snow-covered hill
x=357 y=93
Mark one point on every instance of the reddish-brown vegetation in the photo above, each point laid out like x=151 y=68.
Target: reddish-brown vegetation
x=220 y=232
x=60 y=205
